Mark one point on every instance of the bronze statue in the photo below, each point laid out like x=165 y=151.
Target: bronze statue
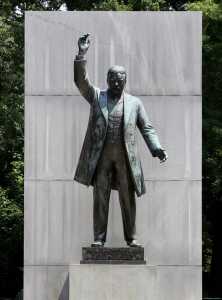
x=109 y=157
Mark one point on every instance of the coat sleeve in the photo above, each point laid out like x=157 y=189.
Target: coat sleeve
x=81 y=79
x=148 y=132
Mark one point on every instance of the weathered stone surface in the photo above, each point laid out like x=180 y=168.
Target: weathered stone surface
x=46 y=282
x=178 y=121
x=58 y=222
x=161 y=51
x=164 y=59
x=125 y=255
x=56 y=126
x=113 y=282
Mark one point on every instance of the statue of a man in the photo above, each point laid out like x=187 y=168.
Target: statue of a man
x=109 y=158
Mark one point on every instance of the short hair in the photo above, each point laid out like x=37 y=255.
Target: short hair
x=116 y=69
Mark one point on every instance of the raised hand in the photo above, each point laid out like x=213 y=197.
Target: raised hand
x=83 y=44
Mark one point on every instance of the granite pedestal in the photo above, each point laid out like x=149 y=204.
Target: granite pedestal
x=105 y=255
x=125 y=282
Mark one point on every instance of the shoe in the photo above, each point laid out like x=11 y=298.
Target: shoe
x=97 y=244
x=134 y=244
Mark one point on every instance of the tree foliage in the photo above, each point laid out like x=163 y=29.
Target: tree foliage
x=11 y=151
x=212 y=138
x=132 y=5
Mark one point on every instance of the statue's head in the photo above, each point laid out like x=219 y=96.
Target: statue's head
x=116 y=79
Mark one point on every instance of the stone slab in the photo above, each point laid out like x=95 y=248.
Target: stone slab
x=95 y=282
x=46 y=282
x=112 y=262
x=163 y=59
x=58 y=222
x=56 y=126
x=85 y=282
x=110 y=255
x=161 y=51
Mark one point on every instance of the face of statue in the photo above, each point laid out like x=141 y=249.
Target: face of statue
x=116 y=80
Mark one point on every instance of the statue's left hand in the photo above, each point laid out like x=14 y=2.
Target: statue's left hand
x=162 y=155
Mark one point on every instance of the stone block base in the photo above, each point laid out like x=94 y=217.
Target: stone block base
x=105 y=255
x=125 y=282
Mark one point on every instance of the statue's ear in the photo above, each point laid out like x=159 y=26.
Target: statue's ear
x=125 y=77
x=107 y=78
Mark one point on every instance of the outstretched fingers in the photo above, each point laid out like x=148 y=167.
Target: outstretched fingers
x=85 y=38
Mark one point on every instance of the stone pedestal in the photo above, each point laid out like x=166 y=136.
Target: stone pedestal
x=113 y=282
x=123 y=255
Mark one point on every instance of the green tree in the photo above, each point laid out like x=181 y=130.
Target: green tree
x=11 y=152
x=132 y=5
x=212 y=141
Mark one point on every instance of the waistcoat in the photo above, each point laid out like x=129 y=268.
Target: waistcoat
x=115 y=121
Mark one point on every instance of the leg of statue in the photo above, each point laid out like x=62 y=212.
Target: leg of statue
x=127 y=198
x=101 y=195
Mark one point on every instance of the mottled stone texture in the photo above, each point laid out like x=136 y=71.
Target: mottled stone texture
x=46 y=283
x=58 y=211
x=161 y=51
x=93 y=282
x=162 y=55
x=105 y=255
x=59 y=123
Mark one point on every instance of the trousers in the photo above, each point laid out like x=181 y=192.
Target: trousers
x=113 y=163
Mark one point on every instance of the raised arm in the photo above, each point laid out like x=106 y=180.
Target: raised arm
x=81 y=79
x=149 y=134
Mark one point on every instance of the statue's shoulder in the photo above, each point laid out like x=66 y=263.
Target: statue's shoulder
x=132 y=98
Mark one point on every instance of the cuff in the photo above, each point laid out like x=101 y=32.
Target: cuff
x=157 y=152
x=80 y=57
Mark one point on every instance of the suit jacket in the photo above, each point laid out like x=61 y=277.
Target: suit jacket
x=134 y=117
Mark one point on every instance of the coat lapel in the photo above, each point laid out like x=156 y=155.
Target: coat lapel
x=127 y=109
x=103 y=104
x=126 y=106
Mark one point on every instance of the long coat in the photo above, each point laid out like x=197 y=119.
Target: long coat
x=134 y=117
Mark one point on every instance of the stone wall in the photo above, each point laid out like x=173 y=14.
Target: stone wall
x=162 y=54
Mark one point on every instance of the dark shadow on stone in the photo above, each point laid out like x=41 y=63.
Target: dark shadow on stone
x=64 y=295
